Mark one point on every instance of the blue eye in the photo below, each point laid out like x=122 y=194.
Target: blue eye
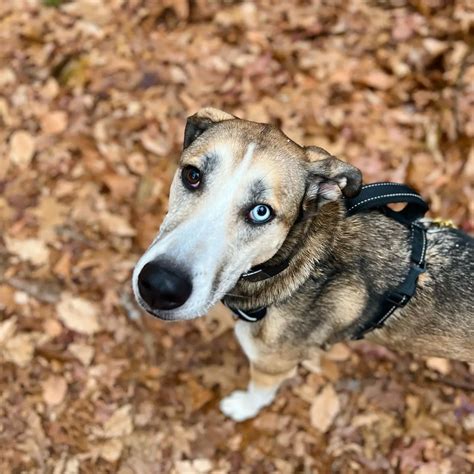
x=260 y=214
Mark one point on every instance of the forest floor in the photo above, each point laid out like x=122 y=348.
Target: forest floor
x=93 y=101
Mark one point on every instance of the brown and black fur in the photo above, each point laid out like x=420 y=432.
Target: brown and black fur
x=357 y=259
x=340 y=267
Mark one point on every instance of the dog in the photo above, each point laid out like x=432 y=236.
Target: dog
x=245 y=195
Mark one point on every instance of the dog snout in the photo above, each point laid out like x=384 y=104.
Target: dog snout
x=163 y=287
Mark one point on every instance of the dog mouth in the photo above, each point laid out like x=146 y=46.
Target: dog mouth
x=183 y=312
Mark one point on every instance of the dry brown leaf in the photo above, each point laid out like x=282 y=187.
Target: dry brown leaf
x=62 y=268
x=313 y=365
x=34 y=251
x=53 y=328
x=111 y=450
x=199 y=394
x=50 y=213
x=116 y=225
x=54 y=390
x=22 y=148
x=136 y=162
x=7 y=329
x=7 y=76
x=197 y=466
x=94 y=98
x=378 y=80
x=339 y=353
x=94 y=11
x=119 y=424
x=19 y=349
x=54 y=122
x=443 y=366
x=78 y=314
x=83 y=352
x=72 y=466
x=325 y=408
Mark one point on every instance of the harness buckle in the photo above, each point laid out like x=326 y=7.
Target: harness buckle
x=418 y=268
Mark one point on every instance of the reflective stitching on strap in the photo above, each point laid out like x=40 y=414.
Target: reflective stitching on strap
x=423 y=252
x=246 y=316
x=250 y=273
x=389 y=313
x=383 y=196
x=388 y=183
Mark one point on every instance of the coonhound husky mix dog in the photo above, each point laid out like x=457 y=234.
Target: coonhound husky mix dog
x=263 y=224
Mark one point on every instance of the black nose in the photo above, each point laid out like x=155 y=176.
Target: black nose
x=162 y=286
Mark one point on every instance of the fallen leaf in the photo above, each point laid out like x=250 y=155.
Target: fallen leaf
x=93 y=11
x=7 y=76
x=324 y=408
x=119 y=424
x=378 y=80
x=62 y=268
x=439 y=364
x=116 y=225
x=339 y=353
x=7 y=329
x=54 y=122
x=53 y=328
x=22 y=148
x=19 y=349
x=199 y=394
x=71 y=466
x=83 y=352
x=136 y=162
x=78 y=314
x=54 y=390
x=50 y=213
x=34 y=251
x=313 y=365
x=111 y=450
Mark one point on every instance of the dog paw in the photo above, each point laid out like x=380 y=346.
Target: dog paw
x=240 y=406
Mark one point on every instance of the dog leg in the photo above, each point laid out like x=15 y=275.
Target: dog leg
x=267 y=371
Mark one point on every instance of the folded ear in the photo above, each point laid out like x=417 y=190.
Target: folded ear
x=328 y=177
x=198 y=123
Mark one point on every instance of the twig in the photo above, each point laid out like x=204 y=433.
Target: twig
x=453 y=383
x=38 y=290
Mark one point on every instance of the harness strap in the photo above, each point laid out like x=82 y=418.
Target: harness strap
x=263 y=272
x=377 y=196
x=401 y=295
x=249 y=315
x=372 y=196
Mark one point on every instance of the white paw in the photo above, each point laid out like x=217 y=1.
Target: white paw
x=239 y=405
x=242 y=405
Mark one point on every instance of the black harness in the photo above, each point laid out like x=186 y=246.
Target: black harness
x=372 y=196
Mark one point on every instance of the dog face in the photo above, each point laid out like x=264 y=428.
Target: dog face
x=239 y=188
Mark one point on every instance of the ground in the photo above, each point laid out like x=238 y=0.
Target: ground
x=93 y=100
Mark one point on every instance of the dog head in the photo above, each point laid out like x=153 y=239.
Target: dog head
x=239 y=188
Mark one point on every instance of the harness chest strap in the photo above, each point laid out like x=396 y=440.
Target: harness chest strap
x=372 y=196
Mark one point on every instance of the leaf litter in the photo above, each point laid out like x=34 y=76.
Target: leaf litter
x=93 y=101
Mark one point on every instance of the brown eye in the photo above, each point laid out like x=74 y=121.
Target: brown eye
x=191 y=177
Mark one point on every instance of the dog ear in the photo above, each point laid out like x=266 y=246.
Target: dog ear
x=328 y=177
x=198 y=123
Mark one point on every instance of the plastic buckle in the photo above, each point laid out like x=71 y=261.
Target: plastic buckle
x=417 y=268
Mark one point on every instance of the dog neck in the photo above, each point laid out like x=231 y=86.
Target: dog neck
x=309 y=242
x=327 y=244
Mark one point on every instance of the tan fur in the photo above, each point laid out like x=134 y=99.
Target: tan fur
x=337 y=263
